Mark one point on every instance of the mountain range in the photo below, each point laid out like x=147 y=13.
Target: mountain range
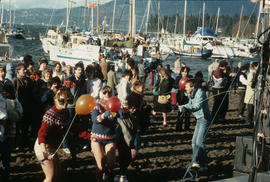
x=41 y=16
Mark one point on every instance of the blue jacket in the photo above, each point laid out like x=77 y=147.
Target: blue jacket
x=198 y=104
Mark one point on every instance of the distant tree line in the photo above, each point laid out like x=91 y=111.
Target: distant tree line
x=227 y=24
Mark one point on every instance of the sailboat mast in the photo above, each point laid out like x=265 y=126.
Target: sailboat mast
x=84 y=13
x=175 y=26
x=9 y=13
x=97 y=16
x=217 y=20
x=147 y=16
x=14 y=17
x=2 y=14
x=158 y=17
x=258 y=20
x=114 y=5
x=203 y=17
x=92 y=19
x=130 y=18
x=133 y=19
x=240 y=21
x=184 y=21
x=104 y=24
x=67 y=20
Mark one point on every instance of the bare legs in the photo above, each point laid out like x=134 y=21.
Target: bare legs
x=51 y=168
x=164 y=115
x=105 y=157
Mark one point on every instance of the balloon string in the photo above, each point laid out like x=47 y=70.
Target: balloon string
x=65 y=135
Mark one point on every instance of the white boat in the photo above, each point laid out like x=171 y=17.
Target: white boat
x=207 y=37
x=71 y=52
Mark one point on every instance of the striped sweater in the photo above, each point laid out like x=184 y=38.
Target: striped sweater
x=53 y=126
x=102 y=128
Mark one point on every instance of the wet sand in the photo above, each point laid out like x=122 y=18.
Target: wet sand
x=164 y=156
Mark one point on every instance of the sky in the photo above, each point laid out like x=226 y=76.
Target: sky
x=27 y=4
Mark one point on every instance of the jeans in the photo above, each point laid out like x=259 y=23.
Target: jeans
x=5 y=150
x=198 y=141
x=137 y=141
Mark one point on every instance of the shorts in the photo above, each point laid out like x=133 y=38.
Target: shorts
x=38 y=150
x=102 y=142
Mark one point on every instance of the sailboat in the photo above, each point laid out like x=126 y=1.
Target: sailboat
x=10 y=29
x=193 y=46
x=68 y=47
x=72 y=48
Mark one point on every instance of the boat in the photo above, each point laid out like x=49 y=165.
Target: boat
x=194 y=50
x=71 y=47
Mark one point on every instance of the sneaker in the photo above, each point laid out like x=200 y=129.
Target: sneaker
x=240 y=116
x=123 y=178
x=85 y=147
x=164 y=123
x=195 y=165
x=105 y=178
x=117 y=178
x=66 y=150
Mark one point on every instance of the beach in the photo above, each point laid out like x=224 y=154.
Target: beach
x=164 y=156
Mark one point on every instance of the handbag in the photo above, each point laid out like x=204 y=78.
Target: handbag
x=163 y=99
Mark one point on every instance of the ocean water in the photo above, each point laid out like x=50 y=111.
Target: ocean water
x=34 y=48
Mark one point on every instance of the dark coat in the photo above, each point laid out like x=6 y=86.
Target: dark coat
x=24 y=91
x=77 y=88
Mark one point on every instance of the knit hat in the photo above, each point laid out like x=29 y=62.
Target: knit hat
x=43 y=60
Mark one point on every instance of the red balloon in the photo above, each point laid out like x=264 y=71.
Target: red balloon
x=85 y=104
x=182 y=83
x=113 y=104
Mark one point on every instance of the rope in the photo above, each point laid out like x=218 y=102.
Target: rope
x=64 y=136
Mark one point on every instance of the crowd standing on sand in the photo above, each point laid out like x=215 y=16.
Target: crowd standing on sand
x=38 y=105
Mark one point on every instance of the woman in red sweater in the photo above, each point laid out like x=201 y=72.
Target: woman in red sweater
x=50 y=134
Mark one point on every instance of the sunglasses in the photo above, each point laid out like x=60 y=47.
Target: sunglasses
x=63 y=101
x=107 y=92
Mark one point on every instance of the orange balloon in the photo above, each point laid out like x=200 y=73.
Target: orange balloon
x=85 y=104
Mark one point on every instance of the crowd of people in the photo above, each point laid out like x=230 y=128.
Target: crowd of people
x=52 y=94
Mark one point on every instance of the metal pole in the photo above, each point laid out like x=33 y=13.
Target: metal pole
x=97 y=16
